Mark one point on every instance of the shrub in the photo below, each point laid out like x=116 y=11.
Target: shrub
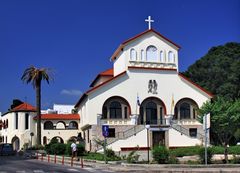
x=217 y=150
x=202 y=155
x=234 y=150
x=173 y=160
x=160 y=154
x=235 y=160
x=186 y=151
x=132 y=157
x=57 y=148
x=110 y=153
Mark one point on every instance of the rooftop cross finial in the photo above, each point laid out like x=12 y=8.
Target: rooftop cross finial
x=149 y=21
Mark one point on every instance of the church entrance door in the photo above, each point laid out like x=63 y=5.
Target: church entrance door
x=158 y=138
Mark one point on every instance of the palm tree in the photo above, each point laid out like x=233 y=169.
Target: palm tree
x=35 y=76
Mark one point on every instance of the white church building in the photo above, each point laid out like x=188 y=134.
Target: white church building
x=143 y=99
x=143 y=95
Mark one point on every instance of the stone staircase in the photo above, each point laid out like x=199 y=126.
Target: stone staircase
x=124 y=135
x=185 y=131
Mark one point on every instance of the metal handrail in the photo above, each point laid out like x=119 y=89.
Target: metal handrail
x=185 y=131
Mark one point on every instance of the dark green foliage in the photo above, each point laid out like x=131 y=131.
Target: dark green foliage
x=160 y=154
x=110 y=153
x=99 y=156
x=234 y=150
x=80 y=149
x=190 y=151
x=132 y=157
x=218 y=71
x=225 y=119
x=57 y=148
x=186 y=151
x=94 y=156
x=235 y=160
x=173 y=160
x=202 y=155
x=217 y=150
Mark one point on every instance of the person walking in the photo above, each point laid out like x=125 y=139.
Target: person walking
x=74 y=149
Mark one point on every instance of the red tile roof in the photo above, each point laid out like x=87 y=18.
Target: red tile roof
x=108 y=72
x=96 y=87
x=59 y=117
x=121 y=46
x=24 y=107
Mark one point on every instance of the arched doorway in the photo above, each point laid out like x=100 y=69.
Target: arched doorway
x=16 y=143
x=152 y=111
x=57 y=139
x=185 y=109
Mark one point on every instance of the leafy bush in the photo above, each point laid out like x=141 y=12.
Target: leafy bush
x=99 y=156
x=173 y=160
x=160 y=154
x=186 y=151
x=57 y=148
x=217 y=150
x=235 y=160
x=94 y=156
x=234 y=150
x=202 y=155
x=132 y=157
x=110 y=153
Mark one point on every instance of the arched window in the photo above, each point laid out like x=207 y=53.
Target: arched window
x=116 y=107
x=115 y=110
x=133 y=55
x=73 y=125
x=44 y=140
x=60 y=125
x=151 y=113
x=171 y=58
x=152 y=54
x=185 y=111
x=142 y=55
x=161 y=56
x=48 y=125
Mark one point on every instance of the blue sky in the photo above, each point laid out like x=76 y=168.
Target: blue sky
x=76 y=38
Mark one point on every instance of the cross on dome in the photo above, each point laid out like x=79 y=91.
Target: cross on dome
x=149 y=20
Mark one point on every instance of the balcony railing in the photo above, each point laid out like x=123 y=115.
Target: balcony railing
x=116 y=121
x=163 y=121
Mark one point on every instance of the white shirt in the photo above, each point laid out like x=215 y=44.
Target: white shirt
x=74 y=147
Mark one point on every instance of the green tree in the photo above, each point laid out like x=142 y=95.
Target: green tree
x=225 y=119
x=35 y=76
x=218 y=71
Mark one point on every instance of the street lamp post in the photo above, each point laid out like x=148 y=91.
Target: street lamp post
x=147 y=127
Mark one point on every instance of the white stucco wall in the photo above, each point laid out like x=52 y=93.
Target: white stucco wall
x=65 y=134
x=140 y=139
x=136 y=82
x=120 y=64
x=22 y=133
x=176 y=139
x=141 y=43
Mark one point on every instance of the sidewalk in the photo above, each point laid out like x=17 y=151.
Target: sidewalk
x=125 y=167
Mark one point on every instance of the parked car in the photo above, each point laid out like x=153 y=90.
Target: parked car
x=6 y=149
